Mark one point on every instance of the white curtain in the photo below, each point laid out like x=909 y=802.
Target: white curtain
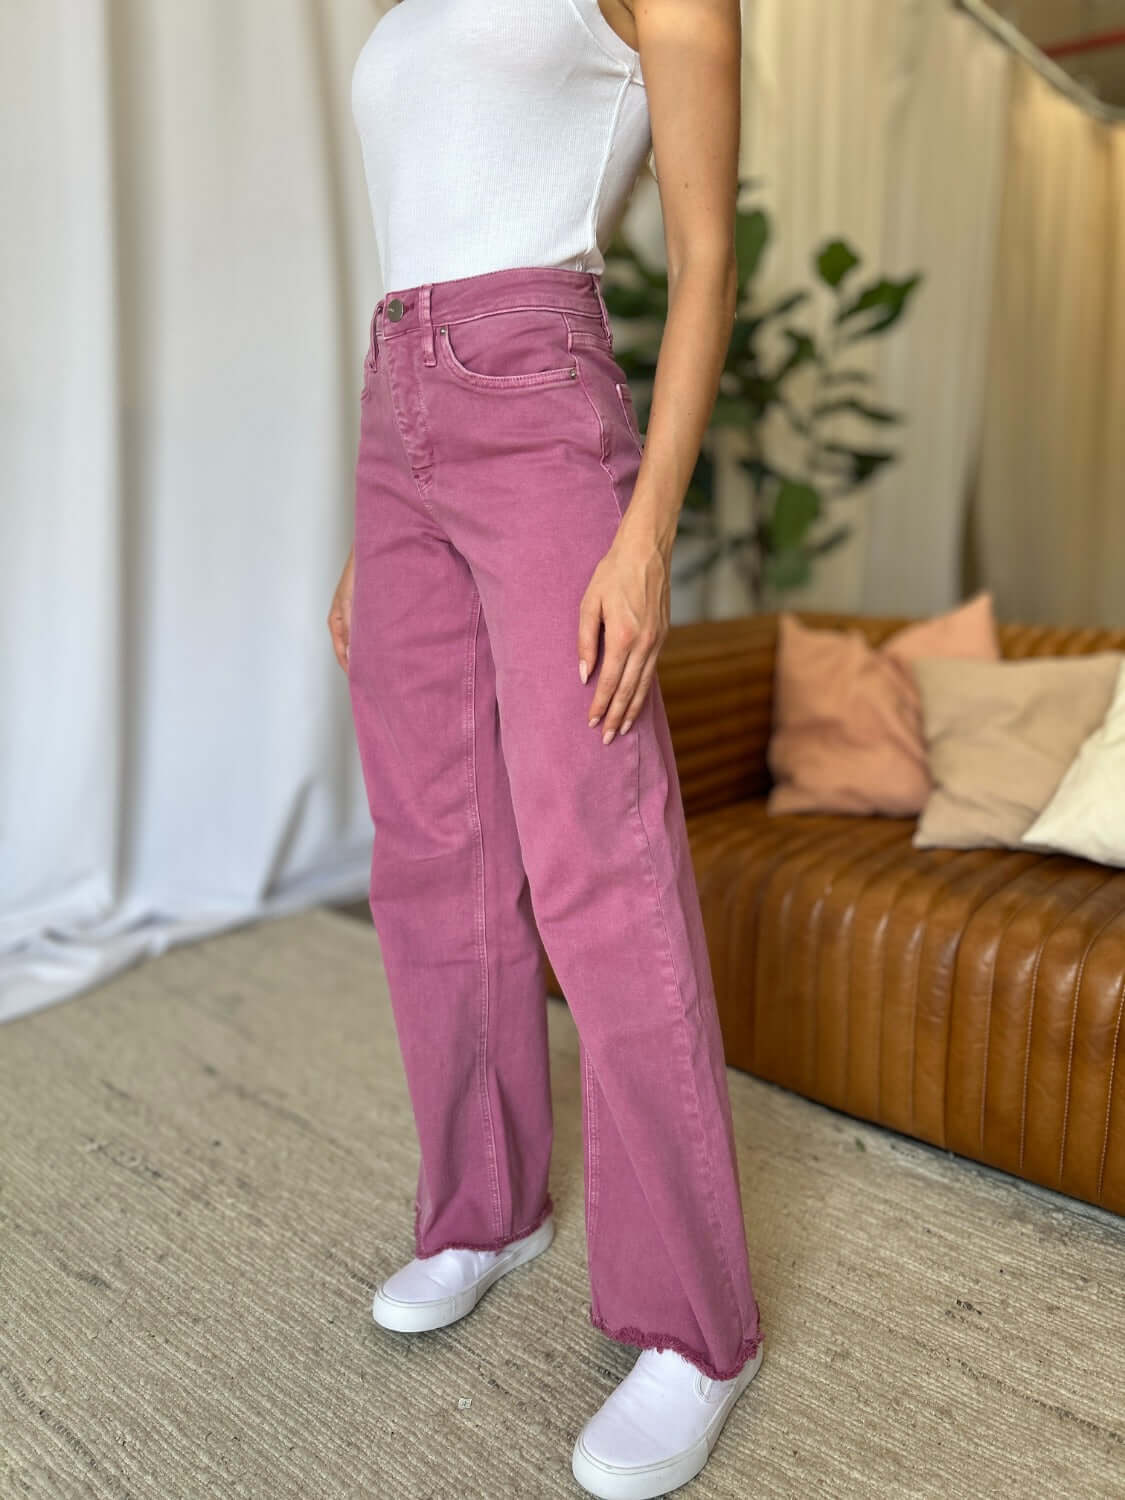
x=188 y=270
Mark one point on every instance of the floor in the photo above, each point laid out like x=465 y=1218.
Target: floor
x=206 y=1164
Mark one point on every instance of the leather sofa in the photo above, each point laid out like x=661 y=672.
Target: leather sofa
x=974 y=999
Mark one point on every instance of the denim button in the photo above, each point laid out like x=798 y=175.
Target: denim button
x=395 y=309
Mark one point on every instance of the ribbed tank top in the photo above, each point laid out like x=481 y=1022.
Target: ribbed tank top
x=496 y=133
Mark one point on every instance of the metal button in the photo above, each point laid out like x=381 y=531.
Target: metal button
x=395 y=309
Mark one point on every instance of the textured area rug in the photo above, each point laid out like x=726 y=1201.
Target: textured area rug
x=206 y=1165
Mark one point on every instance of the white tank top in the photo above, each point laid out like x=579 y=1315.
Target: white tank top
x=496 y=133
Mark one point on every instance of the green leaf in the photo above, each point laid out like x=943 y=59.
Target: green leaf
x=786 y=570
x=835 y=260
x=731 y=411
x=794 y=510
x=689 y=570
x=638 y=364
x=634 y=302
x=759 y=393
x=839 y=377
x=701 y=486
x=858 y=464
x=829 y=541
x=852 y=403
x=802 y=351
x=758 y=470
x=751 y=236
x=885 y=299
x=796 y=420
x=778 y=310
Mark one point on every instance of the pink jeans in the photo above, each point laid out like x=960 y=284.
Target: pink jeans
x=498 y=451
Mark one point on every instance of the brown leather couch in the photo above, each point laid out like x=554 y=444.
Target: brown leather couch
x=974 y=999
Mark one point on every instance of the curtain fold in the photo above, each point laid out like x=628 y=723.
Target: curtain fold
x=188 y=273
x=884 y=125
x=1048 y=510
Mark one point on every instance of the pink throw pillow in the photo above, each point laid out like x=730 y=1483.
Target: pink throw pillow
x=847 y=716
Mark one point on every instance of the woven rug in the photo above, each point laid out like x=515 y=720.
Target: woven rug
x=206 y=1164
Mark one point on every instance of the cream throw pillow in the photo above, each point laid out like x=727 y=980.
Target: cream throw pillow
x=999 y=737
x=1086 y=816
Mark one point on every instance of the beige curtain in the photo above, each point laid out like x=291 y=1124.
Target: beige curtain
x=1047 y=516
x=916 y=133
x=884 y=124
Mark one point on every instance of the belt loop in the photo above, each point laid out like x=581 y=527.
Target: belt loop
x=374 y=342
x=429 y=357
x=603 y=310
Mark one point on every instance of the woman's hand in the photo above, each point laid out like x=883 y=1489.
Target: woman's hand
x=340 y=615
x=629 y=593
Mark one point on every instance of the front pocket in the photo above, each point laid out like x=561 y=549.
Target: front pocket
x=513 y=349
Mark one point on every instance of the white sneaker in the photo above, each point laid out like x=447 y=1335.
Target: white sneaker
x=434 y=1290
x=656 y=1429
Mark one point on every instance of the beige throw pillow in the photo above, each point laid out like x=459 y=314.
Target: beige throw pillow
x=999 y=738
x=1086 y=816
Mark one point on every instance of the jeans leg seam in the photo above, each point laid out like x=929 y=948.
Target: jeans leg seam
x=716 y=1226
x=593 y=1160
x=480 y=910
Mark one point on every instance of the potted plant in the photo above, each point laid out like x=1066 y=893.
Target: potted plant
x=803 y=375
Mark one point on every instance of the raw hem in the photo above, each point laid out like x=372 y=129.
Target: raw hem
x=493 y=1244
x=746 y=1352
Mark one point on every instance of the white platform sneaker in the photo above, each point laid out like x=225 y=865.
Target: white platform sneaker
x=438 y=1289
x=656 y=1429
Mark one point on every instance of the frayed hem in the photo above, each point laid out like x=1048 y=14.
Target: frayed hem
x=747 y=1349
x=493 y=1244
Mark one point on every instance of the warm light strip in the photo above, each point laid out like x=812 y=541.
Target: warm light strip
x=1097 y=43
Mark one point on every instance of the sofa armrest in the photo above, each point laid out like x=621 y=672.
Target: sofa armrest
x=716 y=680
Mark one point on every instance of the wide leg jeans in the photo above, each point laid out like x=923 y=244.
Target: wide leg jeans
x=498 y=452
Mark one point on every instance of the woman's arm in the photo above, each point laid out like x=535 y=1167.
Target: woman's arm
x=691 y=54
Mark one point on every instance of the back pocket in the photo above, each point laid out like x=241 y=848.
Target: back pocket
x=514 y=349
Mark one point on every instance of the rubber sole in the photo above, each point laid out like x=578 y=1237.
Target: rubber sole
x=610 y=1482
x=439 y=1312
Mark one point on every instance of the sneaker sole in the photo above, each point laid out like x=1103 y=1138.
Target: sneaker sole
x=439 y=1312
x=609 y=1482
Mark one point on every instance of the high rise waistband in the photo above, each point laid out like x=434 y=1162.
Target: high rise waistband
x=432 y=302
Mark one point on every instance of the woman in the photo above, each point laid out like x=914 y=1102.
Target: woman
x=499 y=620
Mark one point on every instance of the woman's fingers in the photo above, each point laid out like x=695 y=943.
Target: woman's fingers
x=641 y=694
x=340 y=612
x=589 y=623
x=337 y=630
x=626 y=686
x=633 y=625
x=613 y=664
